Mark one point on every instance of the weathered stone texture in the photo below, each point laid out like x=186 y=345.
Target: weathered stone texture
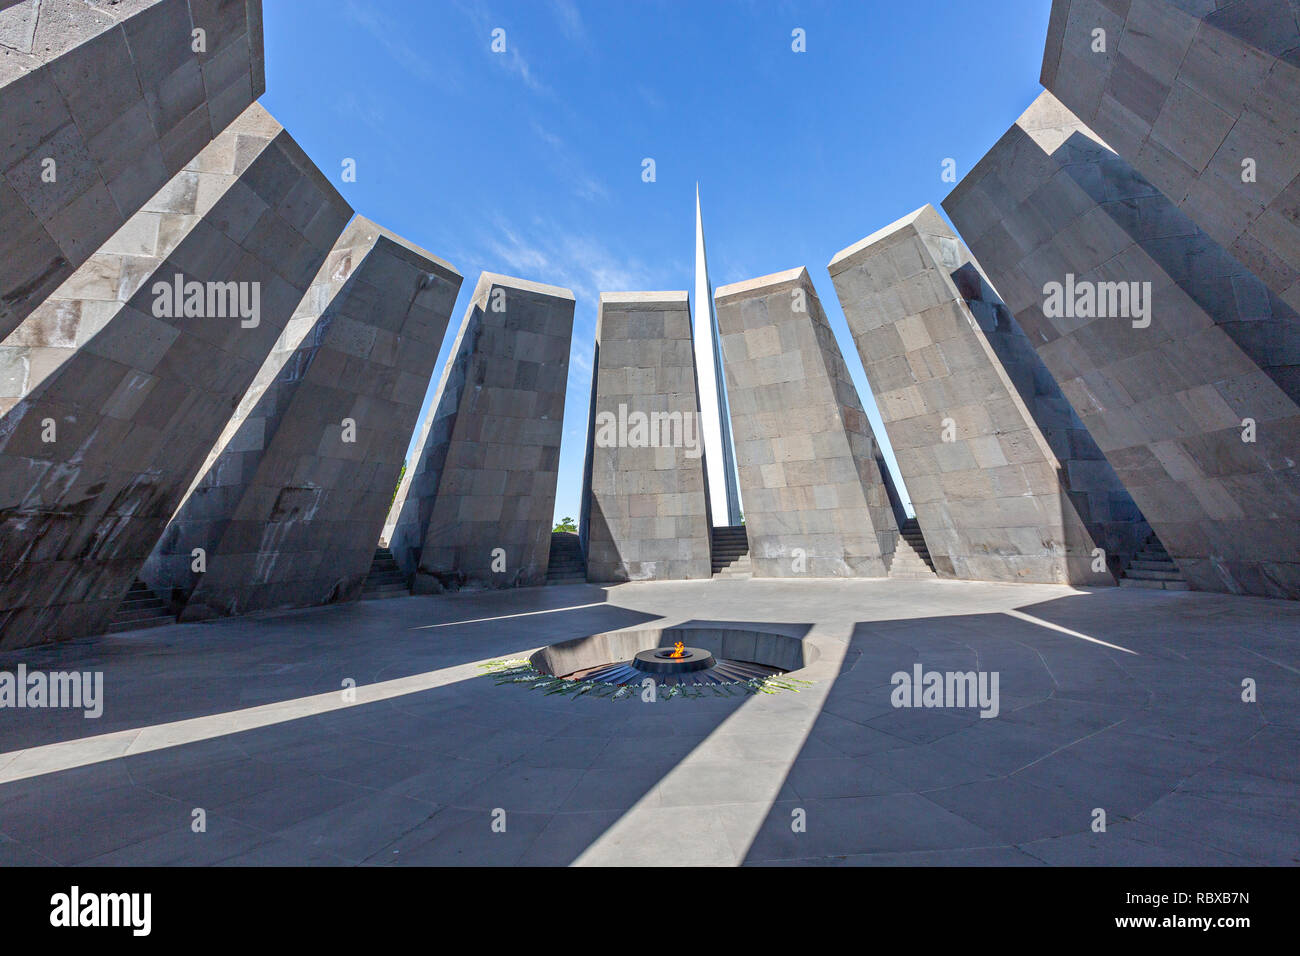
x=1167 y=402
x=477 y=503
x=1005 y=481
x=289 y=513
x=648 y=509
x=138 y=406
x=92 y=296
x=815 y=501
x=1187 y=92
x=103 y=103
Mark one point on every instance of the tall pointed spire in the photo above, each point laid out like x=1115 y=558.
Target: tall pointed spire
x=719 y=453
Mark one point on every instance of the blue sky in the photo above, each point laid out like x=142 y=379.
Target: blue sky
x=529 y=162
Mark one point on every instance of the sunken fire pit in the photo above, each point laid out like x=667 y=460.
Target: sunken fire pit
x=687 y=660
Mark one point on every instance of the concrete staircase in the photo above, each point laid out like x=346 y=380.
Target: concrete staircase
x=140 y=608
x=1153 y=568
x=911 y=556
x=567 y=564
x=385 y=579
x=730 y=551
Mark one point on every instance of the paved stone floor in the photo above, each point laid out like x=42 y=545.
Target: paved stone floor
x=1124 y=700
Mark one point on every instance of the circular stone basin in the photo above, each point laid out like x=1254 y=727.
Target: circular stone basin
x=662 y=661
x=718 y=654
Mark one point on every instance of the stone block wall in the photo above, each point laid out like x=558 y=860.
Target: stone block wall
x=1203 y=99
x=95 y=459
x=1180 y=395
x=648 y=513
x=815 y=502
x=486 y=470
x=1006 y=483
x=103 y=103
x=290 y=511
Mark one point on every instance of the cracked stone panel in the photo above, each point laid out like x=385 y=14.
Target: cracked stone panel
x=103 y=104
x=648 y=513
x=1006 y=482
x=95 y=459
x=816 y=503
x=477 y=501
x=1184 y=376
x=290 y=505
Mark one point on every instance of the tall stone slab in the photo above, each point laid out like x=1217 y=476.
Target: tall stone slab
x=289 y=513
x=477 y=503
x=1204 y=100
x=816 y=504
x=1006 y=482
x=1173 y=354
x=102 y=103
x=648 y=513
x=95 y=458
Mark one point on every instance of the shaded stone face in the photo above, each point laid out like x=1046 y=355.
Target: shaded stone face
x=648 y=513
x=1006 y=483
x=95 y=458
x=292 y=503
x=815 y=503
x=477 y=503
x=102 y=105
x=1204 y=101
x=1180 y=388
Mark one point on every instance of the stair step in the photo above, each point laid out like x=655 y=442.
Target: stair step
x=1155 y=585
x=135 y=604
x=139 y=608
x=383 y=594
x=911 y=555
x=567 y=565
x=118 y=627
x=385 y=578
x=1153 y=568
x=729 y=552
x=1147 y=565
x=741 y=567
x=1142 y=574
x=140 y=614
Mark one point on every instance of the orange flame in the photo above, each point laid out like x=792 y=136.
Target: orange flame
x=679 y=650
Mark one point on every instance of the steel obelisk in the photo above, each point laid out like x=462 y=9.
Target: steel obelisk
x=715 y=420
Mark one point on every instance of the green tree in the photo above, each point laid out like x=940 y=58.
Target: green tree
x=566 y=524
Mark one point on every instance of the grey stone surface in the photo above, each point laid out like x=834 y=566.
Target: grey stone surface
x=1187 y=91
x=136 y=409
x=1166 y=396
x=117 y=98
x=1006 y=482
x=648 y=511
x=815 y=501
x=480 y=490
x=288 y=513
x=243 y=717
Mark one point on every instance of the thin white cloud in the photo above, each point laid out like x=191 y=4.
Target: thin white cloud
x=511 y=59
x=566 y=11
x=567 y=165
x=390 y=35
x=571 y=260
x=651 y=97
